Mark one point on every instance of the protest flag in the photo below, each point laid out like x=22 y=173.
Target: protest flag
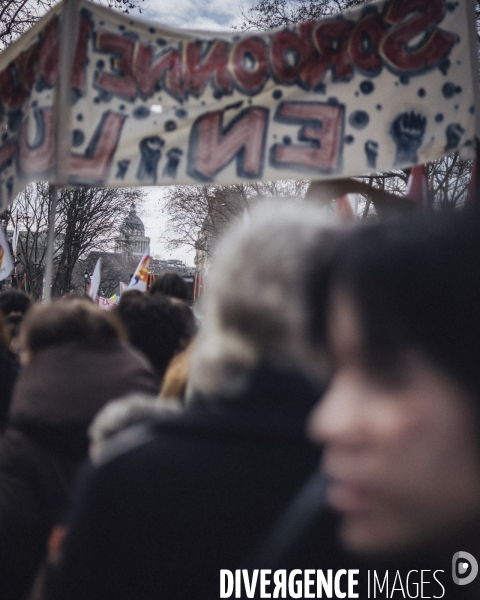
x=346 y=207
x=417 y=186
x=95 y=281
x=139 y=280
x=6 y=261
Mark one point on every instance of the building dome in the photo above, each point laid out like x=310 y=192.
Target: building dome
x=132 y=225
x=132 y=240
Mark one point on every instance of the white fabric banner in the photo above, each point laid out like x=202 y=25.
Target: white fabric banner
x=95 y=281
x=387 y=85
x=6 y=261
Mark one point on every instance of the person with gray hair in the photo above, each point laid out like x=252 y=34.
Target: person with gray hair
x=176 y=497
x=254 y=306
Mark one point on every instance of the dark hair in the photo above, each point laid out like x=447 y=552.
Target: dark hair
x=66 y=321
x=14 y=300
x=170 y=284
x=158 y=326
x=4 y=331
x=130 y=295
x=415 y=285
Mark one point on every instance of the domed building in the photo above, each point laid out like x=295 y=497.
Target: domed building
x=132 y=240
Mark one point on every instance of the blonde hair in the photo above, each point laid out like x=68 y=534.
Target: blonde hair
x=174 y=383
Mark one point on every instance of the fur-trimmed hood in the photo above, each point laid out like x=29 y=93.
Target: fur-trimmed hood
x=120 y=415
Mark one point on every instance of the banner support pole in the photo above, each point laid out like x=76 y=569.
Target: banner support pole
x=63 y=137
x=53 y=193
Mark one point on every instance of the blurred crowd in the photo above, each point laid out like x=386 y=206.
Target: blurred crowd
x=320 y=411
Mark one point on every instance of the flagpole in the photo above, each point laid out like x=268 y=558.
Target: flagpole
x=63 y=137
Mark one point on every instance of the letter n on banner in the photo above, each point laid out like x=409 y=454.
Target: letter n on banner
x=321 y=129
x=211 y=148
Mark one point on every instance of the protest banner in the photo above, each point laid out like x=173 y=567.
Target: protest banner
x=106 y=303
x=387 y=85
x=95 y=281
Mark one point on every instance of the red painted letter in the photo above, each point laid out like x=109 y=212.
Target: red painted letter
x=291 y=52
x=122 y=84
x=331 y=39
x=79 y=62
x=323 y=127
x=148 y=74
x=211 y=148
x=420 y=16
x=92 y=169
x=40 y=157
x=249 y=64
x=198 y=69
x=364 y=44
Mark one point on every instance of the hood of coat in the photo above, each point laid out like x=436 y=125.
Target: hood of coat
x=62 y=389
x=133 y=410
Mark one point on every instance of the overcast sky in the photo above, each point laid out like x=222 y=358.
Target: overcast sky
x=191 y=14
x=194 y=14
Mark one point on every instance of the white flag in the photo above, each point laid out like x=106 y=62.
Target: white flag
x=16 y=233
x=95 y=281
x=6 y=262
x=139 y=280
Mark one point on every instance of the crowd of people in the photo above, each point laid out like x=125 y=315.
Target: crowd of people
x=323 y=413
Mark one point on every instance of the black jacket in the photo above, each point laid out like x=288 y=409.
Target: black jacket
x=56 y=397
x=177 y=499
x=7 y=379
x=199 y=493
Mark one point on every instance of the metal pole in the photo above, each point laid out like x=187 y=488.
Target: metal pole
x=47 y=298
x=63 y=135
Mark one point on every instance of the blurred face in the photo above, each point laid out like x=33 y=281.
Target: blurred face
x=401 y=454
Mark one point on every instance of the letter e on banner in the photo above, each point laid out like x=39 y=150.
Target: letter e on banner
x=322 y=128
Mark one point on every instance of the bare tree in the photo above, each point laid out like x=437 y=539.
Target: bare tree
x=209 y=209
x=269 y=14
x=16 y=16
x=30 y=210
x=86 y=220
x=113 y=270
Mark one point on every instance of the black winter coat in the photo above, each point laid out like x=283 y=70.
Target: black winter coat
x=55 y=399
x=198 y=493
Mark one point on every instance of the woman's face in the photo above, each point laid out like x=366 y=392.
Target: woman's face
x=401 y=455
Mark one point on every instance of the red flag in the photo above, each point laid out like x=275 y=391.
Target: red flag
x=472 y=185
x=346 y=207
x=417 y=186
